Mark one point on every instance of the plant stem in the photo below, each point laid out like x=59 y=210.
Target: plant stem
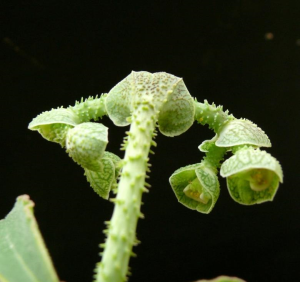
x=122 y=227
x=214 y=157
x=90 y=108
x=214 y=116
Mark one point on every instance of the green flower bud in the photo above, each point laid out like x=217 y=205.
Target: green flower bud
x=196 y=187
x=253 y=176
x=86 y=144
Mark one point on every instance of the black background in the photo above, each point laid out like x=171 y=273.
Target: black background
x=55 y=52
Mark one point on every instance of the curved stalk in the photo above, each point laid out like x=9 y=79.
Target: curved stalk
x=122 y=227
x=212 y=115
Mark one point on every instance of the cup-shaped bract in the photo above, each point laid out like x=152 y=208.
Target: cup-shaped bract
x=53 y=125
x=252 y=175
x=165 y=92
x=196 y=187
x=103 y=180
x=86 y=143
x=241 y=132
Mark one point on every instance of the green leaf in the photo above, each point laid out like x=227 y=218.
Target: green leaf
x=242 y=132
x=196 y=187
x=23 y=254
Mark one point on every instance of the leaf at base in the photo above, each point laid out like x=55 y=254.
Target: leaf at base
x=23 y=254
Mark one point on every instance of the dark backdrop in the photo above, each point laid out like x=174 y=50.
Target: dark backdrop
x=242 y=54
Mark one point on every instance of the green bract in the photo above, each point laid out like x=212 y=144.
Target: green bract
x=240 y=132
x=53 y=125
x=102 y=181
x=86 y=144
x=85 y=141
x=252 y=176
x=196 y=187
x=207 y=145
x=167 y=93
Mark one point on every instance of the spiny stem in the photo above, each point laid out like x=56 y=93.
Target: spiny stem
x=90 y=108
x=214 y=116
x=214 y=157
x=122 y=229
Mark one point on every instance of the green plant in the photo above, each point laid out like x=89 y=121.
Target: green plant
x=148 y=101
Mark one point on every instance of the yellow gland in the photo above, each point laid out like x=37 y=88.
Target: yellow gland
x=260 y=179
x=195 y=191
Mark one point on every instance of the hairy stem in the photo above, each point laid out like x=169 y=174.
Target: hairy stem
x=214 y=116
x=122 y=227
x=214 y=157
x=90 y=108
